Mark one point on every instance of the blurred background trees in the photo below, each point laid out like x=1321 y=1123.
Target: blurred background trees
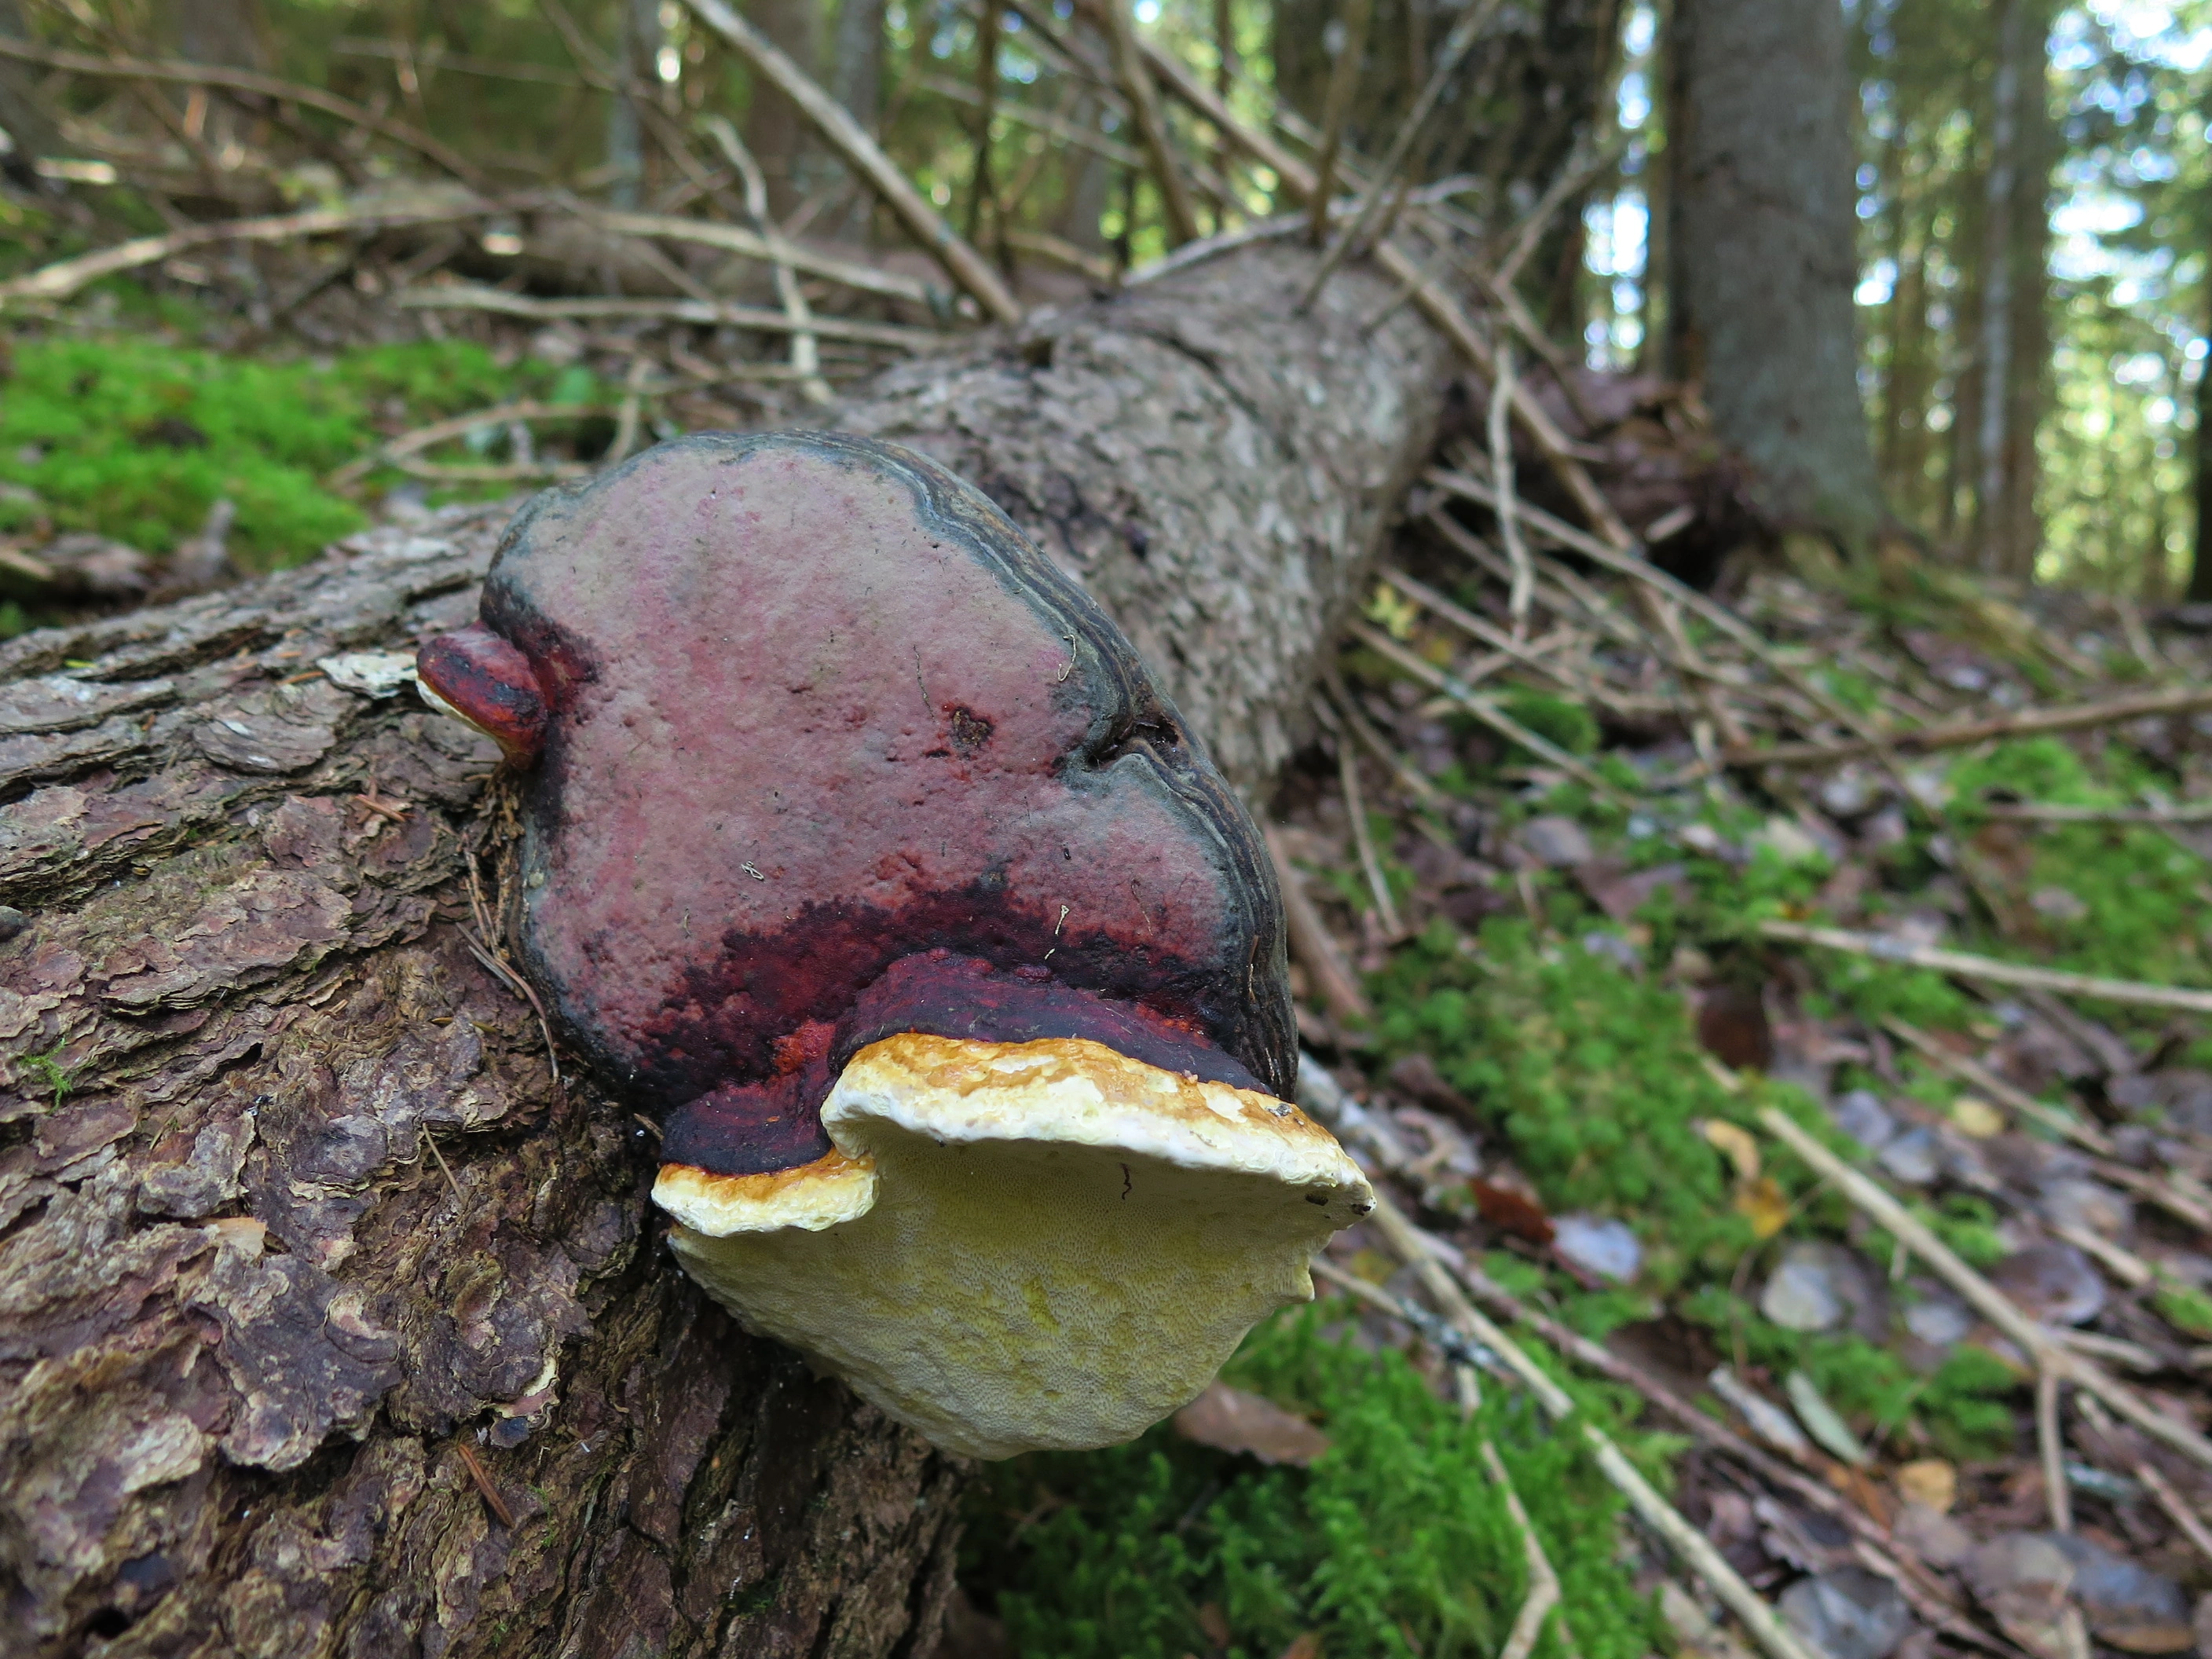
x=2016 y=193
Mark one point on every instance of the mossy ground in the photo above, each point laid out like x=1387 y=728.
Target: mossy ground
x=1395 y=1542
x=133 y=436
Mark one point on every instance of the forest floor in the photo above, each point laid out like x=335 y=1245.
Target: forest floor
x=1780 y=1008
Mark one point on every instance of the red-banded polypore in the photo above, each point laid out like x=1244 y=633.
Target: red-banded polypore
x=860 y=844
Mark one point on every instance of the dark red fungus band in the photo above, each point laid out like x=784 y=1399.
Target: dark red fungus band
x=829 y=752
x=491 y=683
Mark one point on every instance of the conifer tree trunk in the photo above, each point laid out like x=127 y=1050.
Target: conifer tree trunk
x=1762 y=265
x=330 y=1323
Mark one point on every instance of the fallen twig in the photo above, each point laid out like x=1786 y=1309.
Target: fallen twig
x=470 y=296
x=66 y=277
x=438 y=432
x=1355 y=809
x=861 y=153
x=768 y=246
x=1975 y=1075
x=1310 y=942
x=1869 y=1196
x=1485 y=710
x=246 y=80
x=805 y=350
x=1991 y=970
x=1957 y=734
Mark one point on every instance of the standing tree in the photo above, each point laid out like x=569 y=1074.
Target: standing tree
x=1762 y=264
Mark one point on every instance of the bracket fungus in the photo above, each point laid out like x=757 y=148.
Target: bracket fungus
x=859 y=843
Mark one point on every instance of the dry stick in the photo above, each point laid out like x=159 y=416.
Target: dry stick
x=2161 y=1489
x=1310 y=942
x=862 y=154
x=1355 y=808
x=1485 y=710
x=1501 y=474
x=1151 y=123
x=425 y=437
x=1986 y=1299
x=1324 y=1097
x=1471 y=23
x=247 y=81
x=470 y=296
x=1883 y=948
x=1576 y=594
x=1432 y=301
x=1975 y=1075
x=805 y=350
x=491 y=1496
x=1360 y=727
x=2051 y=1446
x=64 y=278
x=2180 y=700
x=1719 y=616
x=1475 y=627
x=1564 y=185
x=1689 y=1545
x=1336 y=106
x=769 y=248
x=1543 y=1582
x=1055 y=125
x=2038 y=812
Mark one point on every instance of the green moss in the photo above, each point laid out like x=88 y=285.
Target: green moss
x=1394 y=1542
x=1593 y=1077
x=136 y=438
x=2186 y=1307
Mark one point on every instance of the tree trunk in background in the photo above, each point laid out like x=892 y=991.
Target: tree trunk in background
x=332 y=1327
x=856 y=81
x=2015 y=326
x=2200 y=569
x=1092 y=177
x=637 y=28
x=1762 y=262
x=775 y=129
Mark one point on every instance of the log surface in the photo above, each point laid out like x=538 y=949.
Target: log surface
x=330 y=1323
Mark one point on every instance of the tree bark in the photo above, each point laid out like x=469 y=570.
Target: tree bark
x=2200 y=568
x=1763 y=263
x=330 y=1323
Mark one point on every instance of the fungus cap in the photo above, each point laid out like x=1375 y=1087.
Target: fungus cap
x=1023 y=1245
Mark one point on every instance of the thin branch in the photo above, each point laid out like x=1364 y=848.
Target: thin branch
x=1151 y=123
x=470 y=296
x=1991 y=970
x=66 y=277
x=247 y=81
x=2033 y=1339
x=805 y=351
x=1485 y=710
x=1336 y=106
x=861 y=153
x=1355 y=808
x=1956 y=734
x=1501 y=474
x=1310 y=942
x=1379 y=194
x=768 y=246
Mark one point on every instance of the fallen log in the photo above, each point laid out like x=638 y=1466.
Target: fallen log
x=333 y=1321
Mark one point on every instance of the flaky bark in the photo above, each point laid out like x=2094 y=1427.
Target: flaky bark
x=329 y=1323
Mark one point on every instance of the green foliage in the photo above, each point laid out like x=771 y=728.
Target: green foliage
x=1568 y=725
x=134 y=437
x=1394 y=1543
x=2187 y=1307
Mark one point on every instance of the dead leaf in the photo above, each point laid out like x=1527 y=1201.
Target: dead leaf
x=1211 y=1619
x=1931 y=1481
x=1733 y=1029
x=1306 y=1644
x=1736 y=1142
x=1229 y=1420
x=1977 y=1118
x=1511 y=1212
x=1764 y=1204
